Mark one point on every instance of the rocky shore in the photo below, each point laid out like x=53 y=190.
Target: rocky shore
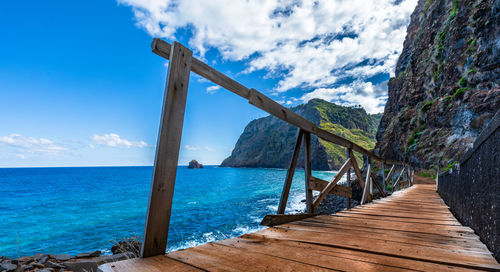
x=83 y=262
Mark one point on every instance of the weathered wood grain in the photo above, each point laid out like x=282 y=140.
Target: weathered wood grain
x=372 y=237
x=263 y=102
x=328 y=188
x=289 y=174
x=167 y=152
x=317 y=184
x=271 y=220
x=307 y=171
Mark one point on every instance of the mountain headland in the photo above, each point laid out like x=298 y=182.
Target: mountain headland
x=269 y=142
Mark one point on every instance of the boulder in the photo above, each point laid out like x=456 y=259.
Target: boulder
x=115 y=258
x=8 y=267
x=194 y=164
x=83 y=266
x=91 y=254
x=128 y=245
x=61 y=257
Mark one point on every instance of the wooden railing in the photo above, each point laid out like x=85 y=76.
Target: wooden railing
x=167 y=151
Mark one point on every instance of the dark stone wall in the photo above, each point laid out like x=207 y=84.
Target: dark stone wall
x=472 y=188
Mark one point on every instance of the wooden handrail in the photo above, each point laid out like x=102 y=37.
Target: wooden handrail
x=167 y=151
x=265 y=103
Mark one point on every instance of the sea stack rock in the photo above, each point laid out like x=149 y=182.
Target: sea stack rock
x=194 y=164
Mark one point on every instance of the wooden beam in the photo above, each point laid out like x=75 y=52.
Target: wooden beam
x=332 y=184
x=355 y=166
x=317 y=184
x=307 y=171
x=402 y=172
x=378 y=186
x=263 y=102
x=271 y=220
x=390 y=173
x=272 y=107
x=383 y=176
x=289 y=174
x=167 y=152
x=408 y=170
x=367 y=184
x=349 y=151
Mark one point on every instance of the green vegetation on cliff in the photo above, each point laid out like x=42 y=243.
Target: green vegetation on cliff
x=269 y=142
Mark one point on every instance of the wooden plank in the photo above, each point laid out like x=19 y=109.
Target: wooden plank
x=307 y=172
x=263 y=102
x=461 y=242
x=449 y=222
x=167 y=152
x=445 y=244
x=382 y=246
x=399 y=214
x=289 y=174
x=328 y=188
x=151 y=264
x=331 y=257
x=271 y=220
x=317 y=184
x=414 y=227
x=219 y=257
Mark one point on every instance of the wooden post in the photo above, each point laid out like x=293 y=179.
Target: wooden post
x=409 y=176
x=392 y=178
x=355 y=167
x=437 y=178
x=307 y=171
x=349 y=178
x=367 y=183
x=167 y=152
x=371 y=183
x=289 y=173
x=383 y=176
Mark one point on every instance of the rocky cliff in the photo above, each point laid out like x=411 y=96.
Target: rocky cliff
x=269 y=142
x=446 y=84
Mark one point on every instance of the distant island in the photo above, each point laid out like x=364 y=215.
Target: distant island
x=269 y=142
x=194 y=164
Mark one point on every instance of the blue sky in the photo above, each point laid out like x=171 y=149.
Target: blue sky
x=79 y=85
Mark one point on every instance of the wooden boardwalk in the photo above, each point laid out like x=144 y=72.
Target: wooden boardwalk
x=411 y=230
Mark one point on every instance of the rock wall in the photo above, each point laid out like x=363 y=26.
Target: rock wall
x=447 y=82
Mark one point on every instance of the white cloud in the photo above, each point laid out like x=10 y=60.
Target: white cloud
x=31 y=145
x=369 y=96
x=192 y=148
x=209 y=149
x=114 y=140
x=306 y=44
x=213 y=89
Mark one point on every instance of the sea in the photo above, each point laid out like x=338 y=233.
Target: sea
x=79 y=209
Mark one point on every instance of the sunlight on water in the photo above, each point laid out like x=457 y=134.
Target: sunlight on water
x=72 y=210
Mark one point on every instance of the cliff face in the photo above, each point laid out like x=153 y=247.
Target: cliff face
x=269 y=142
x=447 y=81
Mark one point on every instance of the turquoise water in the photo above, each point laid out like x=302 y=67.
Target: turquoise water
x=73 y=210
